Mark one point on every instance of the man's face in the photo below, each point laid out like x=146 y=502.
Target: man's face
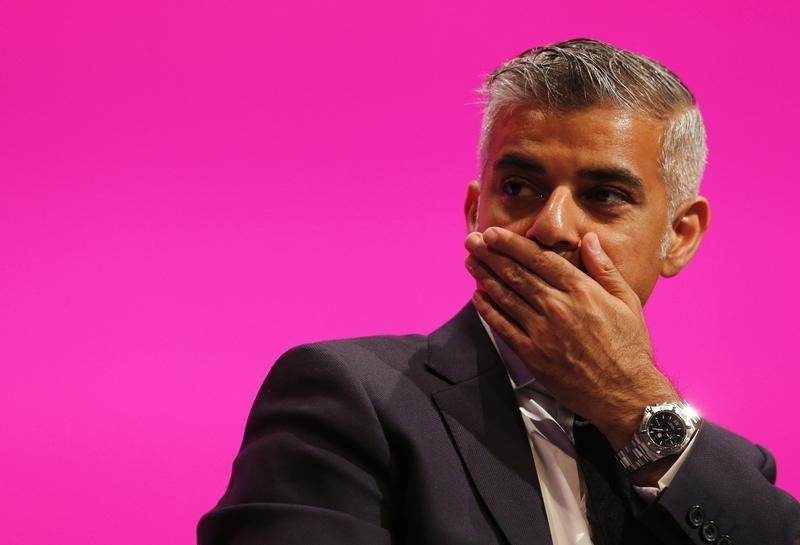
x=554 y=176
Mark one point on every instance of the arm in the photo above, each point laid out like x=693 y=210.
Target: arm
x=732 y=481
x=314 y=463
x=584 y=337
x=581 y=334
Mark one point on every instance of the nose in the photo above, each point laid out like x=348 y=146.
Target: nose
x=555 y=226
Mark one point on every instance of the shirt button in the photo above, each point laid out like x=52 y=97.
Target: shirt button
x=725 y=540
x=695 y=516
x=709 y=532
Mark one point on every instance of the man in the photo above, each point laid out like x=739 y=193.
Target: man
x=537 y=414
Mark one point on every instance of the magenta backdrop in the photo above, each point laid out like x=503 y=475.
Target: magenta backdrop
x=189 y=188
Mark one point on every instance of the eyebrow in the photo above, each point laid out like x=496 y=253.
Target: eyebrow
x=593 y=174
x=612 y=174
x=513 y=160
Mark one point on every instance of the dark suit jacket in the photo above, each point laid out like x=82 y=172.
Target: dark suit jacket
x=419 y=440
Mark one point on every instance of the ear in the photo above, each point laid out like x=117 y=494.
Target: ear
x=471 y=205
x=688 y=227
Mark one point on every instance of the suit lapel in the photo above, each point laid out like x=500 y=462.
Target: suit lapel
x=480 y=411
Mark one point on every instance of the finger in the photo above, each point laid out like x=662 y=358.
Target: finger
x=511 y=303
x=600 y=267
x=509 y=330
x=525 y=283
x=550 y=266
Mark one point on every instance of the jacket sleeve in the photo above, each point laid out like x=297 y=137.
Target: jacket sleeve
x=725 y=489
x=314 y=466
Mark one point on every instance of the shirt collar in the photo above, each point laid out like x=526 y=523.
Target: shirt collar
x=517 y=370
x=535 y=402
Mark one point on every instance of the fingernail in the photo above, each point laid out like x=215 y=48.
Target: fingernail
x=473 y=240
x=490 y=236
x=593 y=243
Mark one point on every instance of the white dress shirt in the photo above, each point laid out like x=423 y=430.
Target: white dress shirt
x=549 y=427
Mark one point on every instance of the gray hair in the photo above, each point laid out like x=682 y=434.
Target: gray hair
x=582 y=73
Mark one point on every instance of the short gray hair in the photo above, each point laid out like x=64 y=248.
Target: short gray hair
x=582 y=73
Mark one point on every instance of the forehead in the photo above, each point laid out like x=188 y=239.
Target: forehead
x=602 y=137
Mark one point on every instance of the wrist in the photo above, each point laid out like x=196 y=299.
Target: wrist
x=627 y=422
x=626 y=404
x=665 y=432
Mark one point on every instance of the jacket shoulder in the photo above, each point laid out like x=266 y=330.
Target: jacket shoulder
x=359 y=354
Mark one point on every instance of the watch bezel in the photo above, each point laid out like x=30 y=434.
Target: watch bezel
x=678 y=409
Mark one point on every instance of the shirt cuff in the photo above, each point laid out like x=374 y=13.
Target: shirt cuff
x=650 y=493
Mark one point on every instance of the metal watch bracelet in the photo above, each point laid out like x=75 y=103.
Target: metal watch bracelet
x=646 y=446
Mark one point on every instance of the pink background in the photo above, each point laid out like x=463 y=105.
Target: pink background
x=187 y=189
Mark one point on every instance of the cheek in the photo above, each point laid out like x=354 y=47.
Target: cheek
x=632 y=247
x=518 y=226
x=488 y=215
x=492 y=213
x=638 y=260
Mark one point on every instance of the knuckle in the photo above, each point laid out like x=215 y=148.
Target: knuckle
x=558 y=310
x=580 y=291
x=543 y=260
x=513 y=274
x=571 y=281
x=607 y=267
x=506 y=299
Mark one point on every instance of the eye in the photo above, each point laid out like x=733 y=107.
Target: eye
x=517 y=187
x=608 y=195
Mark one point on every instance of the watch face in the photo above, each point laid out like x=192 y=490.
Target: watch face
x=666 y=429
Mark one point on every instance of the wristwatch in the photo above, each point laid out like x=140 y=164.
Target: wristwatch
x=666 y=429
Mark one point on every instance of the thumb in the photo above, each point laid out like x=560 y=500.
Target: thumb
x=600 y=267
